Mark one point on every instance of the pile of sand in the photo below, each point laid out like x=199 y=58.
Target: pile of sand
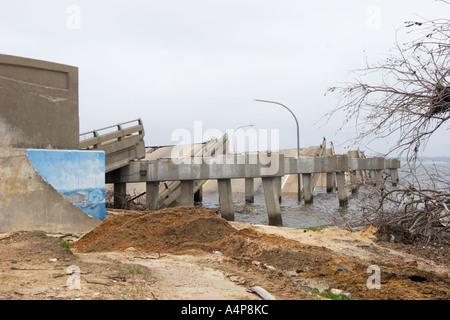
x=281 y=261
x=163 y=230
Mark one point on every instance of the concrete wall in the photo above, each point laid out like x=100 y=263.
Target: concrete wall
x=38 y=104
x=29 y=202
x=43 y=188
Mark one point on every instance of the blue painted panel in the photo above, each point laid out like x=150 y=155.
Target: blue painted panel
x=78 y=175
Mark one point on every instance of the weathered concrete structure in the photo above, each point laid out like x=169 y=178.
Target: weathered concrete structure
x=192 y=170
x=269 y=167
x=169 y=192
x=38 y=110
x=38 y=104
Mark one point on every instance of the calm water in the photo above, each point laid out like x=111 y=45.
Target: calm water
x=325 y=209
x=294 y=214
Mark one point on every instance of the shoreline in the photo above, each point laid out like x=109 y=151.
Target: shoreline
x=291 y=264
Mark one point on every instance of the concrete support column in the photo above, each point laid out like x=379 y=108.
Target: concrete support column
x=198 y=195
x=187 y=193
x=226 y=199
x=299 y=183
x=152 y=195
x=394 y=177
x=342 y=190
x=379 y=178
x=359 y=176
x=278 y=187
x=249 y=190
x=330 y=182
x=272 y=202
x=120 y=195
x=354 y=181
x=372 y=177
x=307 y=187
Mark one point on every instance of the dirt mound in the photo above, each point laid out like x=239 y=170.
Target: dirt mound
x=165 y=230
x=284 y=265
x=316 y=266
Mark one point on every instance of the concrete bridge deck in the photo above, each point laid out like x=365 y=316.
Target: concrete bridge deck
x=186 y=169
x=185 y=173
x=270 y=167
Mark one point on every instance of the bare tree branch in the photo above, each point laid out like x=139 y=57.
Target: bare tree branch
x=405 y=97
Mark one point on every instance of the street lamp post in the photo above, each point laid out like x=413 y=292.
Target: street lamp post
x=299 y=197
x=234 y=131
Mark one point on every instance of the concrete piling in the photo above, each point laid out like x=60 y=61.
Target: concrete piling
x=272 y=201
x=379 y=183
x=394 y=177
x=330 y=182
x=198 y=195
x=354 y=182
x=152 y=195
x=249 y=190
x=120 y=195
x=342 y=190
x=187 y=193
x=307 y=188
x=278 y=187
x=226 y=199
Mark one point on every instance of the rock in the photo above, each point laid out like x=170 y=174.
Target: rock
x=417 y=278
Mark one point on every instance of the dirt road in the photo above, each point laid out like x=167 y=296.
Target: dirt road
x=191 y=253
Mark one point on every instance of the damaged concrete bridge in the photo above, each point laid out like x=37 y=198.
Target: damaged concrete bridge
x=53 y=179
x=269 y=166
x=172 y=181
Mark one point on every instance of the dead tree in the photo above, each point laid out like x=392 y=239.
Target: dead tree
x=407 y=213
x=404 y=98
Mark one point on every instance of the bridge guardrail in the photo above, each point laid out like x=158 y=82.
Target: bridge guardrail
x=121 y=143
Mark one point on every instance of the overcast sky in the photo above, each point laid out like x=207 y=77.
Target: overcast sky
x=174 y=62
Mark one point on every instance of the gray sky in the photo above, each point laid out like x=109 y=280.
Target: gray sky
x=174 y=62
